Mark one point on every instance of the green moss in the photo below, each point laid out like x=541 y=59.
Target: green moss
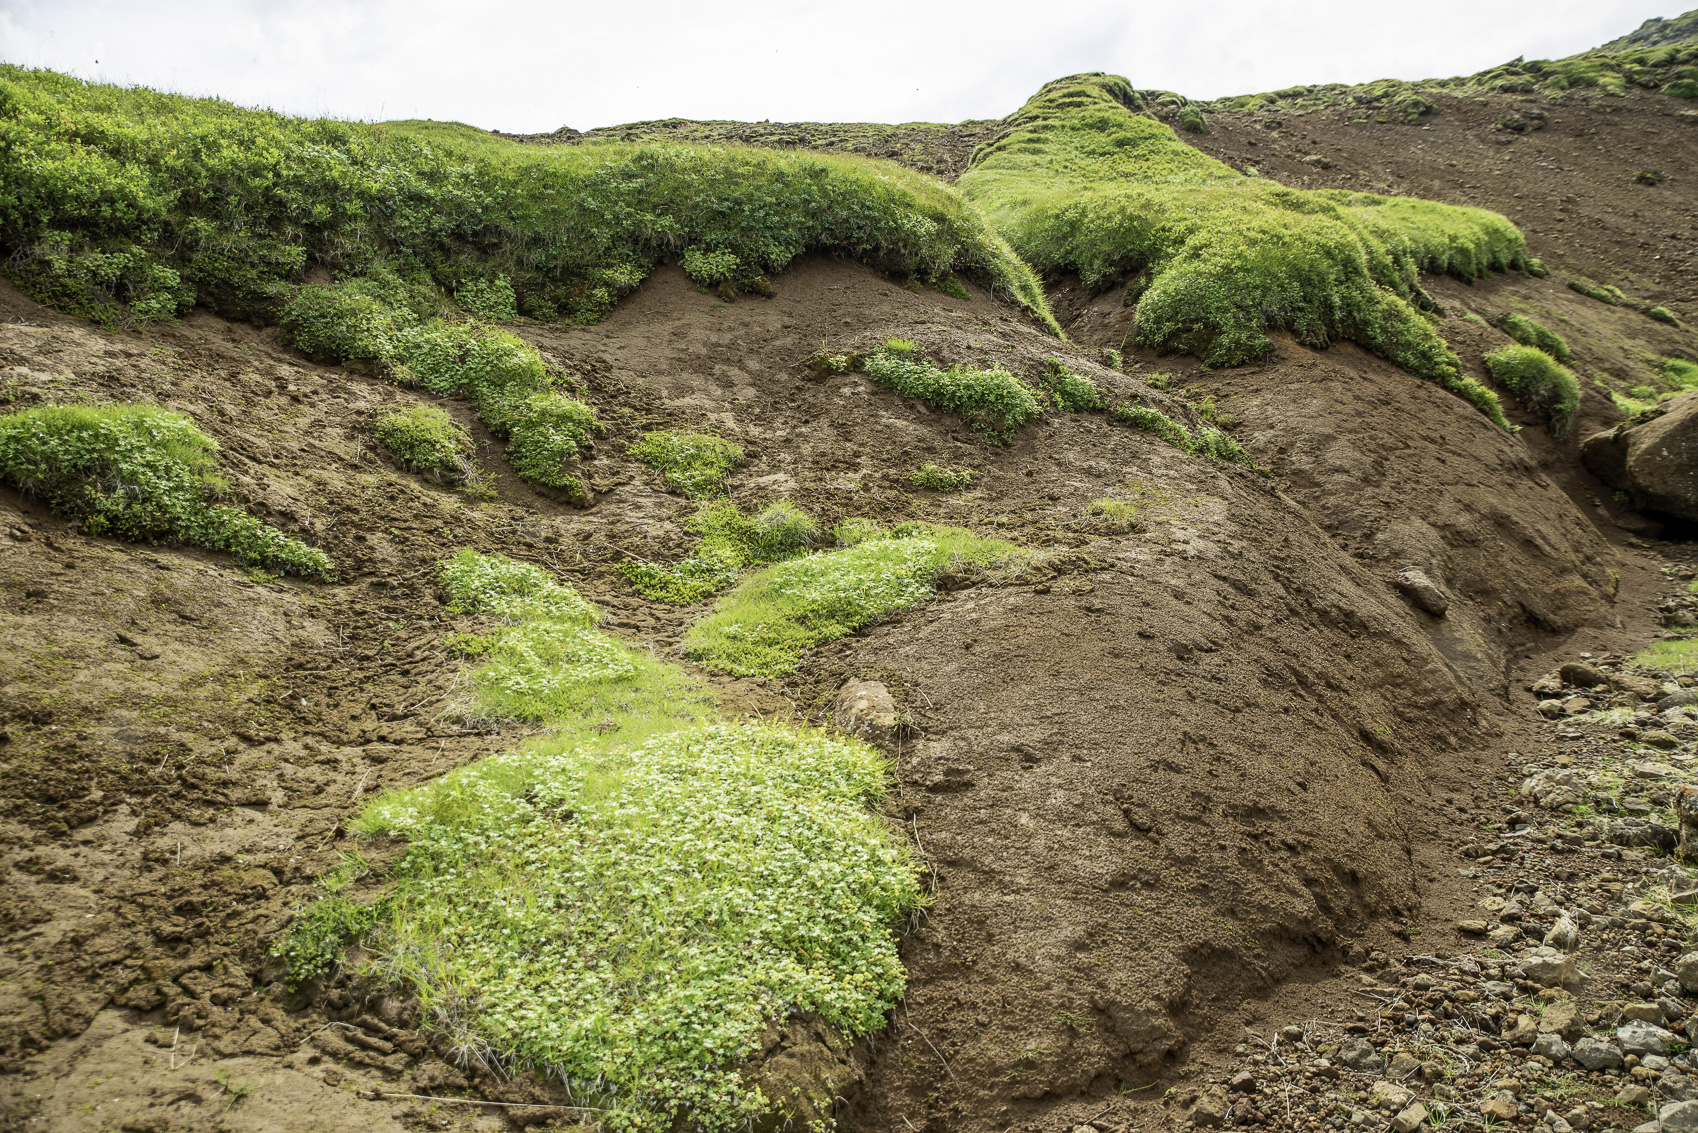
x=764 y=626
x=1662 y=315
x=1529 y=333
x=1543 y=384
x=938 y=479
x=1680 y=374
x=695 y=464
x=137 y=204
x=993 y=401
x=426 y=439
x=143 y=474
x=1082 y=183
x=730 y=543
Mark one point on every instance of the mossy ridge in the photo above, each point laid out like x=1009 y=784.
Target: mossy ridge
x=729 y=543
x=119 y=206
x=1542 y=383
x=426 y=439
x=142 y=474
x=627 y=904
x=1081 y=182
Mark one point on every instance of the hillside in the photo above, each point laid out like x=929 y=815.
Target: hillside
x=723 y=625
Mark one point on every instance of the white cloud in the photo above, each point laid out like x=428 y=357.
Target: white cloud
x=526 y=66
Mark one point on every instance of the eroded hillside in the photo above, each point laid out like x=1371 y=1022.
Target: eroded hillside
x=1183 y=757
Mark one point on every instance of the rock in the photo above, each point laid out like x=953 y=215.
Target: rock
x=1563 y=1018
x=1211 y=1107
x=1686 y=812
x=1644 y=688
x=1551 y=1046
x=1633 y=1095
x=1403 y=1065
x=1526 y=1029
x=1666 y=741
x=1653 y=457
x=1643 y=1012
x=1677 y=1087
x=1564 y=935
x=1550 y=709
x=1640 y=832
x=1359 y=1054
x=1410 y=1119
x=1575 y=705
x=1548 y=685
x=1686 y=971
x=1555 y=790
x=1243 y=1082
x=1388 y=1095
x=1643 y=1038
x=1679 y=1117
x=1595 y=1054
x=1548 y=968
x=1423 y=591
x=867 y=709
x=1581 y=675
x=1654 y=771
x=1473 y=928
x=1499 y=1107
x=1679 y=699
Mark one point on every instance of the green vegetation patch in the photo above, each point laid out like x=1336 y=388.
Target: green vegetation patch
x=426 y=439
x=143 y=474
x=1530 y=333
x=994 y=402
x=1083 y=183
x=1204 y=440
x=695 y=464
x=129 y=204
x=631 y=902
x=764 y=626
x=936 y=478
x=1676 y=655
x=1542 y=383
x=1603 y=293
x=730 y=543
x=632 y=918
x=1073 y=391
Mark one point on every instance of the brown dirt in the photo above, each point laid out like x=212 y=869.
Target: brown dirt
x=1178 y=782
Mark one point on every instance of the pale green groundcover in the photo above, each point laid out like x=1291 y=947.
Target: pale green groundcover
x=628 y=904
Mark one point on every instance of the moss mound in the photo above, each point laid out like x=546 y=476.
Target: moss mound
x=1083 y=183
x=1530 y=333
x=426 y=439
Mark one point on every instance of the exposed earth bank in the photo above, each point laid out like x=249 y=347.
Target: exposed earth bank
x=1188 y=774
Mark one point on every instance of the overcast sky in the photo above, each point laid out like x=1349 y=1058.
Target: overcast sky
x=529 y=66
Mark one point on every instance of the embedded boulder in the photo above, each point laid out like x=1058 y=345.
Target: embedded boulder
x=1653 y=457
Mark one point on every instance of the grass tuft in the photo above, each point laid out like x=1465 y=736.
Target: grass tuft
x=143 y=474
x=1530 y=333
x=695 y=464
x=1073 y=392
x=1542 y=383
x=935 y=478
x=994 y=401
x=764 y=626
x=1204 y=440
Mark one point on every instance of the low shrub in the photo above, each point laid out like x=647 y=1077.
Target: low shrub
x=489 y=299
x=695 y=464
x=710 y=268
x=764 y=626
x=938 y=479
x=953 y=288
x=1073 y=391
x=335 y=322
x=1530 y=333
x=316 y=943
x=426 y=439
x=1542 y=383
x=544 y=431
x=994 y=401
x=828 y=362
x=143 y=474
